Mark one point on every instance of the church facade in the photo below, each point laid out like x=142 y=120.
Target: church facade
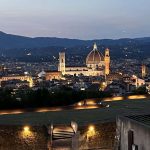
x=97 y=64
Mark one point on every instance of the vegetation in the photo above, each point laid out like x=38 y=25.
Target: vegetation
x=141 y=90
x=44 y=98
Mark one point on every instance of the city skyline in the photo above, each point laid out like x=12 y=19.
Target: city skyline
x=78 y=19
x=74 y=75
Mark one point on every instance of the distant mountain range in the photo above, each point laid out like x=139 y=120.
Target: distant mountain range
x=9 y=41
x=15 y=45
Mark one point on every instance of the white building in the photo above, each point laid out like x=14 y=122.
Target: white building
x=133 y=133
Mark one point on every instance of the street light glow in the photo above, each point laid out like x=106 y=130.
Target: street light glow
x=79 y=104
x=91 y=128
x=91 y=132
x=26 y=132
x=26 y=129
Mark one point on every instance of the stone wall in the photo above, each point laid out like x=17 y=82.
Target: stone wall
x=102 y=136
x=17 y=138
x=37 y=138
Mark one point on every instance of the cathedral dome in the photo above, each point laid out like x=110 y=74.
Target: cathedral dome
x=94 y=57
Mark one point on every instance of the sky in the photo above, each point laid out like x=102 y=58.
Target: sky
x=79 y=19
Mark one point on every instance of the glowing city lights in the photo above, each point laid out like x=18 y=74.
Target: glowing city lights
x=137 y=97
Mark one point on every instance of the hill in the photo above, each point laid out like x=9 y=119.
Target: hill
x=9 y=41
x=19 y=46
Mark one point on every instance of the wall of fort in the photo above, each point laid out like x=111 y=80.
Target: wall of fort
x=16 y=138
x=37 y=138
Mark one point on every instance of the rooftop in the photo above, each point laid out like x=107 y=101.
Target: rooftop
x=94 y=57
x=144 y=119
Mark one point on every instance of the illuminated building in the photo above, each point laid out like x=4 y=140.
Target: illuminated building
x=96 y=64
x=51 y=75
x=143 y=71
x=137 y=81
x=61 y=66
x=107 y=62
x=22 y=78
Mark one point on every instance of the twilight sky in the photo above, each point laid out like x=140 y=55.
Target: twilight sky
x=83 y=19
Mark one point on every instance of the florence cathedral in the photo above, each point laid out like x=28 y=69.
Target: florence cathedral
x=97 y=64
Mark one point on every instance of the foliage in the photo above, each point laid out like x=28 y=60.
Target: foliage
x=44 y=98
x=141 y=90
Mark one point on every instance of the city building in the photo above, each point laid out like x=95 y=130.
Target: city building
x=117 y=89
x=97 y=64
x=143 y=71
x=17 y=77
x=53 y=75
x=15 y=84
x=137 y=81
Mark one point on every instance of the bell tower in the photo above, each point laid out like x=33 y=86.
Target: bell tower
x=143 y=70
x=61 y=66
x=107 y=62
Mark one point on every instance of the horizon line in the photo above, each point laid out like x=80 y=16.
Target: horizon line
x=73 y=38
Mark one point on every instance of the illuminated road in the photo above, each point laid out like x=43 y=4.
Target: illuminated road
x=47 y=109
x=87 y=104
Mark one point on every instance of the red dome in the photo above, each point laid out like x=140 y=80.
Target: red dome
x=94 y=57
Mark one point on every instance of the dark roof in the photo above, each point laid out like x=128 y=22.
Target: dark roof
x=144 y=119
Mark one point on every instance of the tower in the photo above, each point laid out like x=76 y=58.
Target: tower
x=143 y=71
x=107 y=61
x=61 y=66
